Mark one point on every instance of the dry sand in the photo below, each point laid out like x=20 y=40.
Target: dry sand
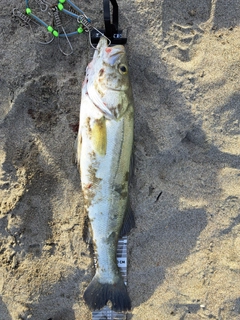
x=184 y=254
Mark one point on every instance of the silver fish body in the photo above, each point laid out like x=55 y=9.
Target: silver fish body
x=104 y=148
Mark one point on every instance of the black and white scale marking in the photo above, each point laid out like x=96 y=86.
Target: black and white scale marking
x=106 y=313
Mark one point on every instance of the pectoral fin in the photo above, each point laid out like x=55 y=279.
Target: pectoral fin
x=97 y=101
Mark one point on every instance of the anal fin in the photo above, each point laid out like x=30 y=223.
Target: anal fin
x=77 y=150
x=87 y=232
x=128 y=222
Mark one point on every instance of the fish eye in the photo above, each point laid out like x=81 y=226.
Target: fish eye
x=122 y=68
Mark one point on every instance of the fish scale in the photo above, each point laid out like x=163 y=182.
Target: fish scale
x=104 y=149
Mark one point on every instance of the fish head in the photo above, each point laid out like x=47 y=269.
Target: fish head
x=108 y=82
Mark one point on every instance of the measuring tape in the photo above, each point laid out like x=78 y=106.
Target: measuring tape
x=106 y=313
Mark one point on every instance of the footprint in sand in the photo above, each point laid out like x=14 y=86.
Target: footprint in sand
x=181 y=40
x=185 y=25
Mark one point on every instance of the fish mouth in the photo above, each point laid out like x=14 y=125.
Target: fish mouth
x=109 y=54
x=115 y=51
x=112 y=54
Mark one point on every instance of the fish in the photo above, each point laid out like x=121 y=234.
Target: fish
x=104 y=151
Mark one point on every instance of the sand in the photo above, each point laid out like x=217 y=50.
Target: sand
x=184 y=254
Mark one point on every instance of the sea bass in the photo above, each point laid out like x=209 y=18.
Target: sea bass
x=104 y=148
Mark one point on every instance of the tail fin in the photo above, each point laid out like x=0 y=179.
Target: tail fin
x=98 y=294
